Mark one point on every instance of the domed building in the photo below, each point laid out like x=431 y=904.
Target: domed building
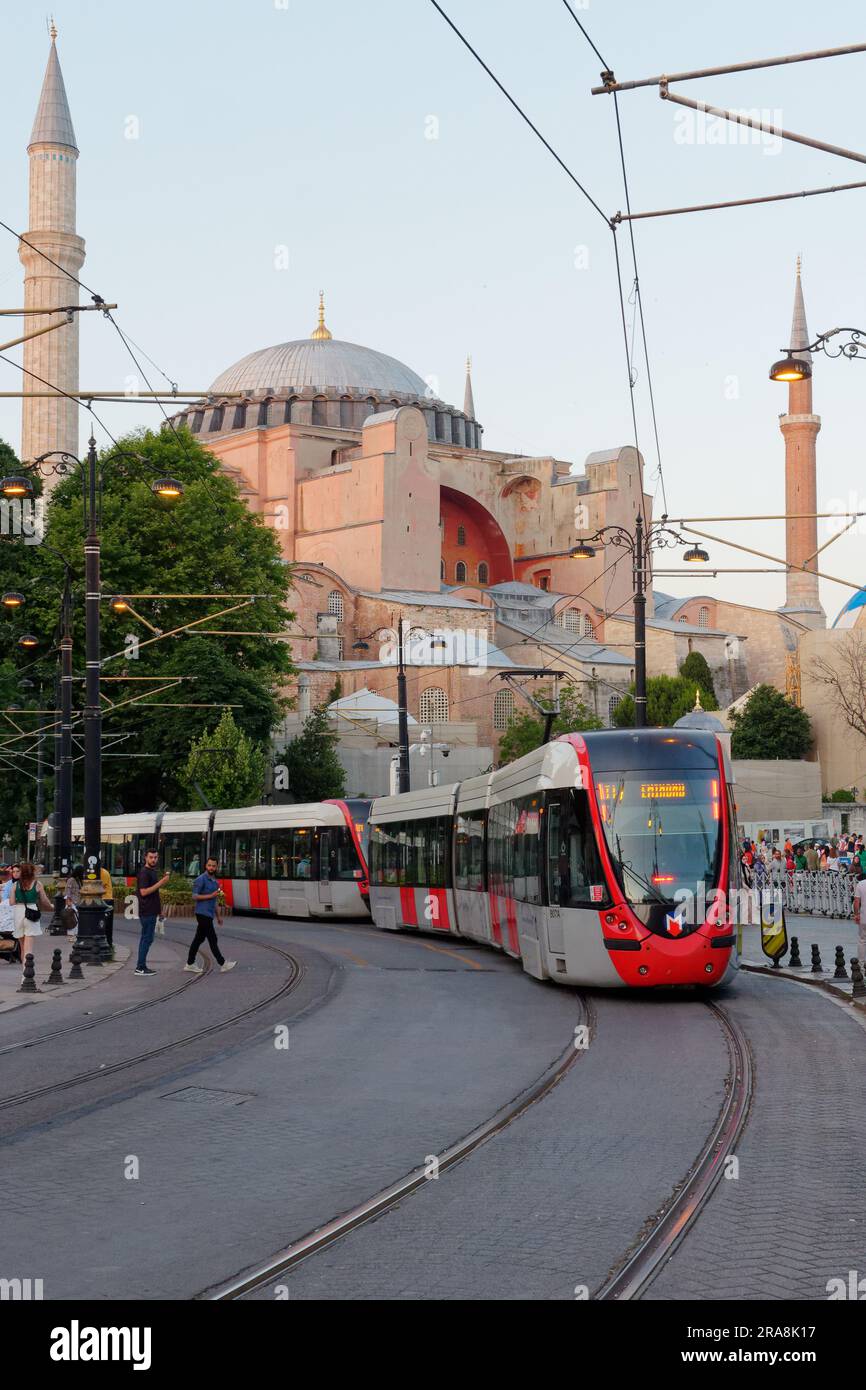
x=322 y=381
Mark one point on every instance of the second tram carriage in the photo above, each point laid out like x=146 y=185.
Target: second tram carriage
x=602 y=858
x=295 y=861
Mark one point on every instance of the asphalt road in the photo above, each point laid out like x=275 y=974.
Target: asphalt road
x=170 y=1175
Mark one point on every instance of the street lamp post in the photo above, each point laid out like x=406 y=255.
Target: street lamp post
x=640 y=543
x=92 y=944
x=403 y=776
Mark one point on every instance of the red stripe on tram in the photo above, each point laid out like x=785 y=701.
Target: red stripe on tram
x=440 y=922
x=511 y=918
x=408 y=911
x=226 y=886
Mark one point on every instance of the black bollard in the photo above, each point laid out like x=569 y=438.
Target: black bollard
x=76 y=973
x=56 y=976
x=859 y=990
x=794 y=961
x=28 y=980
x=817 y=967
x=840 y=973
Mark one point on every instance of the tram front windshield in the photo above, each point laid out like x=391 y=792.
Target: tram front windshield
x=662 y=831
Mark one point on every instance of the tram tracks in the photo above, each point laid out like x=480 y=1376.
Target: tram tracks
x=258 y=1276
x=296 y=972
x=670 y=1227
x=657 y=1242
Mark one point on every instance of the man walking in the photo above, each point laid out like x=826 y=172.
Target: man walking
x=149 y=907
x=205 y=892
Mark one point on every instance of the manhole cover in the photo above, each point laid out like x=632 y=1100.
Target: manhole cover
x=205 y=1095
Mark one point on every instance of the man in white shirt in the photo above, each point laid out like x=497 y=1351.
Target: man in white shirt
x=860 y=918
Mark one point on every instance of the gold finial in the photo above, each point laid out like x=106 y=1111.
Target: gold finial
x=698 y=705
x=321 y=331
x=52 y=29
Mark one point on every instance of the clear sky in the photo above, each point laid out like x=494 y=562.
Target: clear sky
x=270 y=124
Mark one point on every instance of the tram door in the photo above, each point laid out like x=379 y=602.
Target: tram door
x=325 y=897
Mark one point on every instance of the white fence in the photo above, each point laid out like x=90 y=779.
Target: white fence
x=829 y=893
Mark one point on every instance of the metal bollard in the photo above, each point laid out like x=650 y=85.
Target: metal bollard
x=817 y=967
x=794 y=961
x=859 y=990
x=28 y=982
x=76 y=973
x=56 y=976
x=840 y=973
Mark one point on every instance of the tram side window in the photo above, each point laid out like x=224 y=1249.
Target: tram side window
x=412 y=854
x=242 y=852
x=573 y=865
x=193 y=854
x=469 y=852
x=344 y=856
x=280 y=852
x=302 y=853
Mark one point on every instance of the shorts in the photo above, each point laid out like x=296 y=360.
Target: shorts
x=22 y=927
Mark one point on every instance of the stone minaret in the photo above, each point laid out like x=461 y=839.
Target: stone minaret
x=468 y=401
x=800 y=430
x=51 y=423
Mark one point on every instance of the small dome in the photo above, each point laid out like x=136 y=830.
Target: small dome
x=325 y=364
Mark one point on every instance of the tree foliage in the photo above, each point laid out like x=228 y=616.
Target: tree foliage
x=770 y=726
x=668 y=699
x=226 y=764
x=844 y=794
x=525 y=730
x=314 y=770
x=209 y=542
x=696 y=670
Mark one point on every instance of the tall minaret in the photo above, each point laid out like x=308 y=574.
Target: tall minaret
x=51 y=423
x=468 y=401
x=800 y=430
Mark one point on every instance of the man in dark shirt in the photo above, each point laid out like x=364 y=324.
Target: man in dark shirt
x=149 y=907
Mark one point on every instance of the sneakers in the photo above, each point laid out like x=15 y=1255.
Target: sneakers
x=194 y=969
x=145 y=971
x=227 y=965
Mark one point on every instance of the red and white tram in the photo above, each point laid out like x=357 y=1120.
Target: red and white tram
x=600 y=859
x=293 y=861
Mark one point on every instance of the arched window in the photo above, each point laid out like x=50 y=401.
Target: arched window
x=320 y=411
x=503 y=709
x=461 y=535
x=335 y=604
x=240 y=417
x=588 y=628
x=433 y=706
x=572 y=619
x=339 y=649
x=483 y=573
x=684 y=619
x=703 y=617
x=559 y=618
x=611 y=707
x=442 y=569
x=460 y=572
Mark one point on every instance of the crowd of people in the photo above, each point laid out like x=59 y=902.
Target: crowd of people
x=766 y=862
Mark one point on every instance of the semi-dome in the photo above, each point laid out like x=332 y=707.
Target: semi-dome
x=322 y=381
x=326 y=364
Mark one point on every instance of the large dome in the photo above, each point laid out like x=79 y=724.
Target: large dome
x=324 y=365
x=320 y=381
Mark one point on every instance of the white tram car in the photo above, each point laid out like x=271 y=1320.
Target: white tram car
x=293 y=861
x=600 y=859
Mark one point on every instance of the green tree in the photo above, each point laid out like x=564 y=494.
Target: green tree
x=314 y=769
x=668 y=699
x=227 y=765
x=696 y=671
x=209 y=542
x=526 y=730
x=770 y=726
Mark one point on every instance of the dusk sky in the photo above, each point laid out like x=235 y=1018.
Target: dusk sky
x=298 y=131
